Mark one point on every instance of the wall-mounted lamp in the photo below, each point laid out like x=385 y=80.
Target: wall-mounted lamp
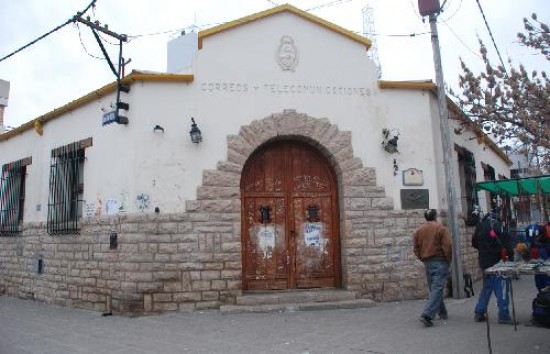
x=195 y=132
x=390 y=140
x=158 y=128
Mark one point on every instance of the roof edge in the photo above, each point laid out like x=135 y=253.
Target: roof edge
x=413 y=85
x=94 y=95
x=279 y=9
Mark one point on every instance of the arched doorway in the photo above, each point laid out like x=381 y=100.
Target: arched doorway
x=290 y=219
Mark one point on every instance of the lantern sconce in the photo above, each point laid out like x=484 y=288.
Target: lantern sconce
x=389 y=143
x=195 y=133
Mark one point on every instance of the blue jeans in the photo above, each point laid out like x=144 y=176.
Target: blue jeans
x=436 y=275
x=542 y=281
x=501 y=287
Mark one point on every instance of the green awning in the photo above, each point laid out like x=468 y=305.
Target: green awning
x=519 y=186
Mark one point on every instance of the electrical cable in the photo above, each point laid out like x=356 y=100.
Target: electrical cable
x=461 y=41
x=47 y=34
x=84 y=46
x=130 y=37
x=36 y=40
x=104 y=52
x=105 y=40
x=454 y=13
x=492 y=38
x=330 y=3
x=395 y=35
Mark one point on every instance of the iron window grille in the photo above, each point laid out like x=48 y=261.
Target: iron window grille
x=470 y=180
x=490 y=175
x=66 y=188
x=467 y=164
x=12 y=196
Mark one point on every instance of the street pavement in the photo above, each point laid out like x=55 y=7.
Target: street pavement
x=389 y=328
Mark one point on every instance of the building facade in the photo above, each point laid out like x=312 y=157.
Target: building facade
x=311 y=173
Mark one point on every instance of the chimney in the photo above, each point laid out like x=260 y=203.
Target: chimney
x=4 y=95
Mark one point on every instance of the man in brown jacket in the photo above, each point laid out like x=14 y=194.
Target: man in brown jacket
x=433 y=246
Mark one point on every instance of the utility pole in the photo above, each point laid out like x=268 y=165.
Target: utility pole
x=432 y=9
x=96 y=27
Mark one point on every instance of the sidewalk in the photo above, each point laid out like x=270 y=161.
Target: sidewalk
x=388 y=328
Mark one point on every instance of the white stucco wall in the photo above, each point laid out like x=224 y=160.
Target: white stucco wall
x=327 y=60
x=237 y=80
x=482 y=154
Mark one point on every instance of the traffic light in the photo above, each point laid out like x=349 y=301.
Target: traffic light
x=122 y=105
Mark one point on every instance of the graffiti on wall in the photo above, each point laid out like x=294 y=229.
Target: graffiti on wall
x=400 y=253
x=98 y=206
x=142 y=201
x=90 y=209
x=123 y=202
x=111 y=206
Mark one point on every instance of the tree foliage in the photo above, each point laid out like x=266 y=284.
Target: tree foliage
x=513 y=106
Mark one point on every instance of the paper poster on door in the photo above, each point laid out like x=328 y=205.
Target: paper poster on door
x=266 y=238
x=313 y=234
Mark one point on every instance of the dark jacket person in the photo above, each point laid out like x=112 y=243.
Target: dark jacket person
x=492 y=244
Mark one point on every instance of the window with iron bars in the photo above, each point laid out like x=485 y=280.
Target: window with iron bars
x=12 y=196
x=468 y=177
x=66 y=188
x=490 y=175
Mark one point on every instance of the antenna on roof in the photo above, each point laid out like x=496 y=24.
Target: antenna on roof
x=369 y=31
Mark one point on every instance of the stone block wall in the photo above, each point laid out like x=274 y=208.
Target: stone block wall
x=161 y=264
x=192 y=260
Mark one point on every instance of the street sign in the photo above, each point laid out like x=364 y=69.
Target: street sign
x=108 y=118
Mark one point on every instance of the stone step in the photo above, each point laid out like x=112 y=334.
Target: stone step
x=294 y=296
x=296 y=300
x=299 y=306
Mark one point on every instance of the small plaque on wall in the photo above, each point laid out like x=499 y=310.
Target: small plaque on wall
x=413 y=177
x=415 y=199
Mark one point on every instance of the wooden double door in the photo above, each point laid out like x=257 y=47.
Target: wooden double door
x=290 y=221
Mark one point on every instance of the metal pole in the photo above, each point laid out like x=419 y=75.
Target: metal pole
x=118 y=78
x=456 y=268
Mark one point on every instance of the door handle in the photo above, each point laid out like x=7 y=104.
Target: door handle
x=264 y=214
x=313 y=213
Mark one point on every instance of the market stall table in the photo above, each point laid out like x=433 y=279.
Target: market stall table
x=509 y=269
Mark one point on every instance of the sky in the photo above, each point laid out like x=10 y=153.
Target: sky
x=68 y=64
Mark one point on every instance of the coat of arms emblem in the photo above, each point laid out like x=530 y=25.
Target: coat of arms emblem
x=287 y=54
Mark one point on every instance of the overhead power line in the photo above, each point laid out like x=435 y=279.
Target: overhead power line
x=461 y=41
x=492 y=38
x=84 y=46
x=37 y=39
x=327 y=4
x=71 y=20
